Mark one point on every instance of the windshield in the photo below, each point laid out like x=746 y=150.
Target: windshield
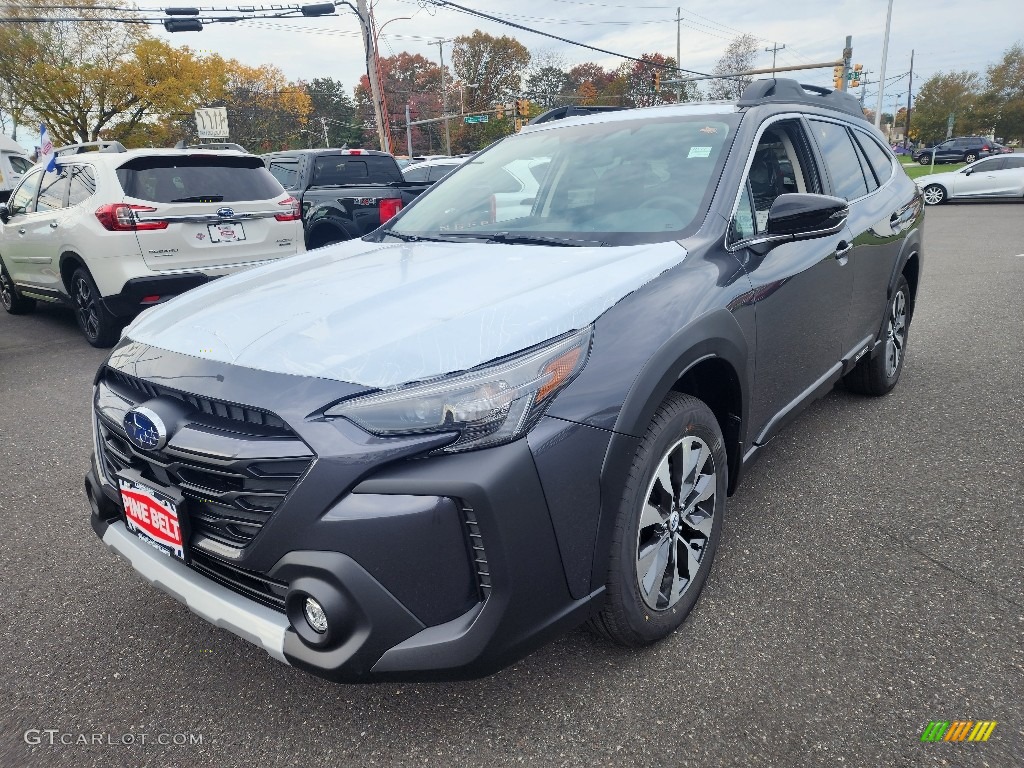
x=610 y=183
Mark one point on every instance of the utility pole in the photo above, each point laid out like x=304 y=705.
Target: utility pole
x=910 y=90
x=323 y=124
x=881 y=74
x=775 y=49
x=679 y=49
x=371 y=73
x=847 y=57
x=444 y=99
x=408 y=131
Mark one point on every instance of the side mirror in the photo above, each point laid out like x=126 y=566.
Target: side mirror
x=800 y=216
x=968 y=171
x=5 y=213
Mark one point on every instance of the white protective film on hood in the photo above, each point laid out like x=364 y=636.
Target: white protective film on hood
x=379 y=315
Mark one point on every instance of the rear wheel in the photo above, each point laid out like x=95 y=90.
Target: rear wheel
x=879 y=374
x=970 y=157
x=925 y=160
x=14 y=303
x=101 y=328
x=934 y=194
x=668 y=525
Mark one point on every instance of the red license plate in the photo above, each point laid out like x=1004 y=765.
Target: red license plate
x=153 y=517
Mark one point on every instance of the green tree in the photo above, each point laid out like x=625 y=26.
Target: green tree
x=333 y=113
x=1002 y=103
x=942 y=95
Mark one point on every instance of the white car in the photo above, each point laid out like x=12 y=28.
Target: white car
x=14 y=163
x=116 y=231
x=1000 y=176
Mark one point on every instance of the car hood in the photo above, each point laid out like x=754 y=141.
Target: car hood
x=383 y=314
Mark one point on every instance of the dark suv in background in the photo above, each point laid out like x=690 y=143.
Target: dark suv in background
x=422 y=453
x=962 y=149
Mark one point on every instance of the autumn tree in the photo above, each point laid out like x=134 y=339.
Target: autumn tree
x=739 y=56
x=1002 y=103
x=549 y=86
x=406 y=79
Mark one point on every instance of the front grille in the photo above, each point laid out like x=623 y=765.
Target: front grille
x=255 y=586
x=477 y=552
x=227 y=499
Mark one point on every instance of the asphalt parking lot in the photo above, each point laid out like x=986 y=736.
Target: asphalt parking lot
x=870 y=580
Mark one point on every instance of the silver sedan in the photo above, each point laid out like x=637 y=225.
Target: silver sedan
x=1000 y=176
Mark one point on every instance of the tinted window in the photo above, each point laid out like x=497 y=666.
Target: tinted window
x=869 y=176
x=83 y=184
x=198 y=179
x=286 y=172
x=1014 y=162
x=332 y=170
x=995 y=164
x=19 y=164
x=24 y=198
x=620 y=182
x=840 y=159
x=880 y=159
x=417 y=174
x=440 y=171
x=51 y=192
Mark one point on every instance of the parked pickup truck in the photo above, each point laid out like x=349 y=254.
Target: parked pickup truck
x=345 y=193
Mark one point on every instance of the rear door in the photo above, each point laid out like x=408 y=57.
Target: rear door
x=206 y=210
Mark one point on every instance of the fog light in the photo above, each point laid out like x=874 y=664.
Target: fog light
x=315 y=615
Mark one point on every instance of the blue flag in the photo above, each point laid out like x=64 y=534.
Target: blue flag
x=46 y=153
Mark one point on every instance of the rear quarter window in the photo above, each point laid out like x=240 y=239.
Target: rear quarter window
x=339 y=170
x=198 y=179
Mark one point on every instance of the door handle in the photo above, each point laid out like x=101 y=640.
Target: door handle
x=843 y=248
x=21 y=231
x=53 y=225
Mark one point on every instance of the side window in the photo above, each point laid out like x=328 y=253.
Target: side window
x=52 y=189
x=869 y=175
x=985 y=166
x=742 y=225
x=782 y=163
x=82 y=186
x=840 y=159
x=880 y=159
x=24 y=199
x=286 y=172
x=1014 y=162
x=19 y=164
x=438 y=172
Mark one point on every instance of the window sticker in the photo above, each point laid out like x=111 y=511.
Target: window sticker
x=699 y=152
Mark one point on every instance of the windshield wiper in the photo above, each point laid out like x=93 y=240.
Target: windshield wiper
x=199 y=199
x=525 y=238
x=412 y=238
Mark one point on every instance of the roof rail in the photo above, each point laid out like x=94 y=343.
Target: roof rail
x=211 y=145
x=572 y=110
x=785 y=91
x=101 y=146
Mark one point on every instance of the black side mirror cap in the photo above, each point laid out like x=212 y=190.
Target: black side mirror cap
x=803 y=216
x=5 y=213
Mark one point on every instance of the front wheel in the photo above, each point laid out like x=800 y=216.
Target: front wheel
x=668 y=525
x=101 y=328
x=925 y=160
x=877 y=375
x=934 y=194
x=14 y=303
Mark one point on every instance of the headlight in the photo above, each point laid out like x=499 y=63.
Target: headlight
x=486 y=406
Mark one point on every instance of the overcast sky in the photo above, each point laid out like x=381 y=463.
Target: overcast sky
x=942 y=33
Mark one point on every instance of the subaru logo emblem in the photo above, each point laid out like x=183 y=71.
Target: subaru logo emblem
x=225 y=213
x=145 y=429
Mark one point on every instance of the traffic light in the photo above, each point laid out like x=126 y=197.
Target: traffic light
x=858 y=69
x=522 y=107
x=837 y=77
x=656 y=81
x=500 y=112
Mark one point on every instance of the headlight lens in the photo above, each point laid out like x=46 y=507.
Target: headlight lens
x=486 y=407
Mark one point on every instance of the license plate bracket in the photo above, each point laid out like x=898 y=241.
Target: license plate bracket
x=155 y=514
x=226 y=232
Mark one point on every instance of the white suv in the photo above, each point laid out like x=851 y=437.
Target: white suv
x=115 y=231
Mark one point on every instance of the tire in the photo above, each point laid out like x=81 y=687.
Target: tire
x=876 y=376
x=970 y=157
x=925 y=160
x=934 y=194
x=647 y=596
x=13 y=302
x=100 y=327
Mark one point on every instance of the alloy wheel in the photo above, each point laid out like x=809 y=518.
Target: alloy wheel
x=6 y=292
x=934 y=194
x=675 y=523
x=897 y=335
x=85 y=306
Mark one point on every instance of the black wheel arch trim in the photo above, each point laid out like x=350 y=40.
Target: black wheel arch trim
x=330 y=220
